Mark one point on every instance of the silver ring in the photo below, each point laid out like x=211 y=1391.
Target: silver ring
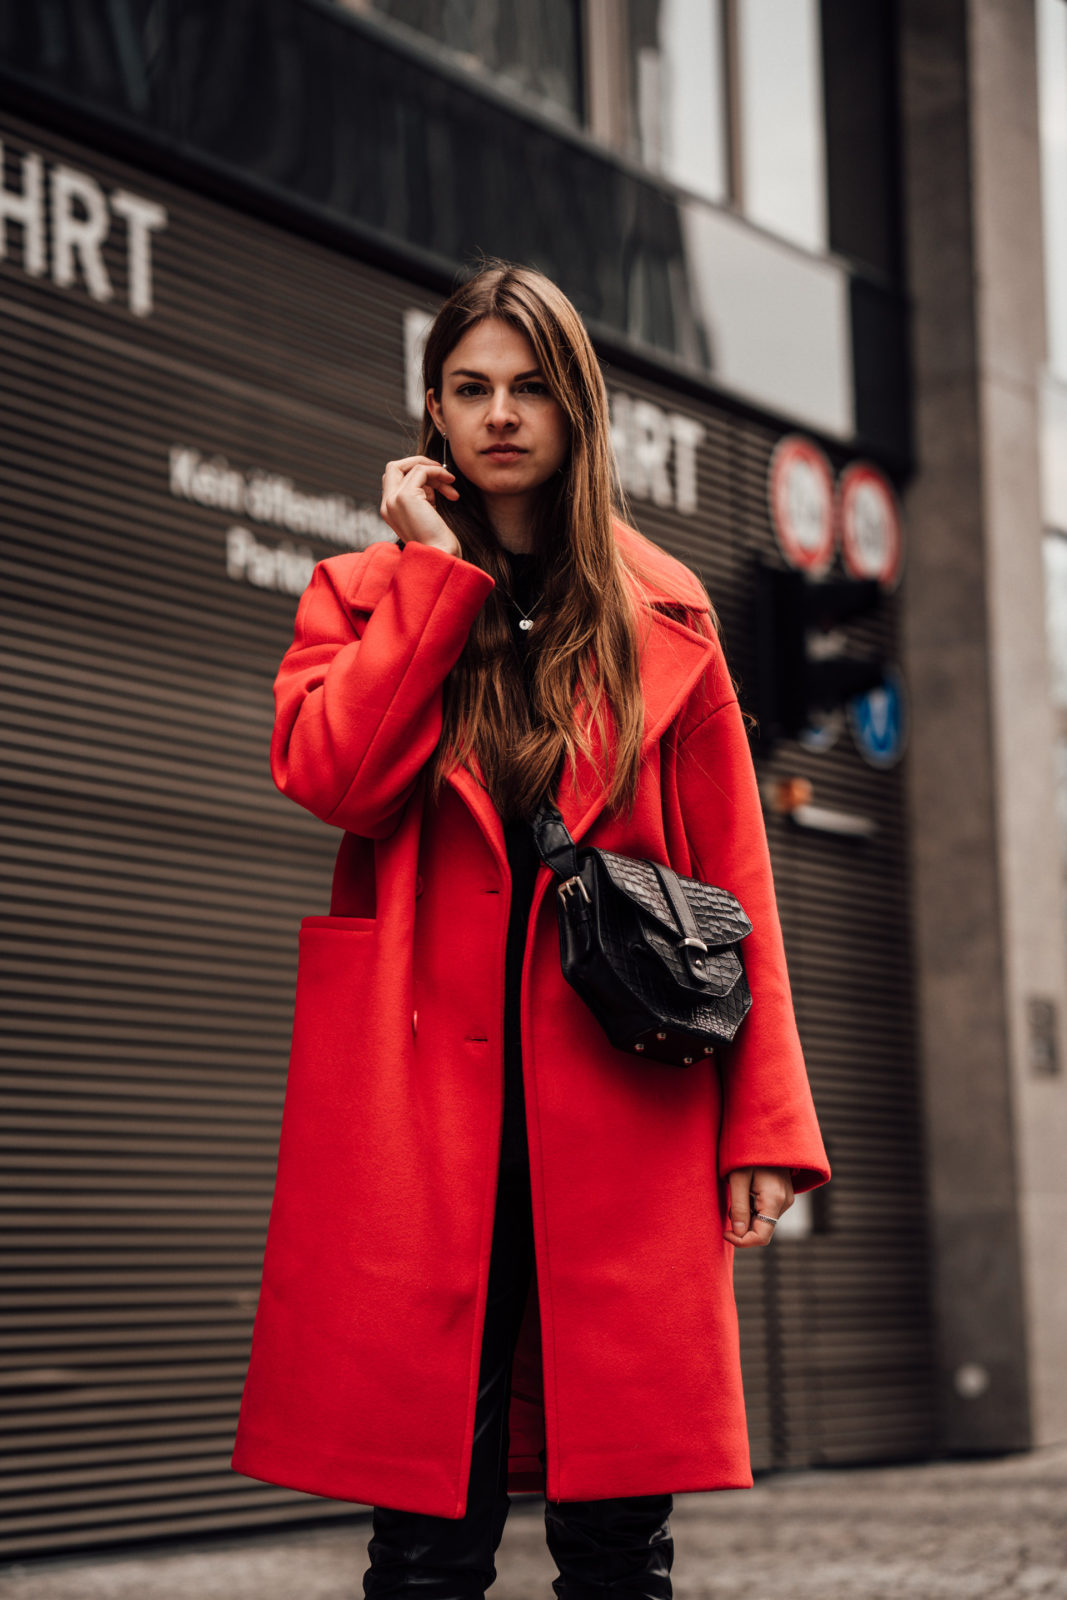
x=761 y=1218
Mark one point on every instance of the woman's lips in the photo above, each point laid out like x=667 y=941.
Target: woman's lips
x=506 y=452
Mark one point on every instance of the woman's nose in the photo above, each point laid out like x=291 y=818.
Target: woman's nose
x=502 y=408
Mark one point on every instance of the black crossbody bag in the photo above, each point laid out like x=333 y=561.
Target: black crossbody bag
x=655 y=956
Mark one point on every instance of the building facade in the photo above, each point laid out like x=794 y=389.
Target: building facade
x=224 y=230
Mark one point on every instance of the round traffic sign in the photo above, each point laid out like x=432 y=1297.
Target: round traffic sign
x=800 y=491
x=872 y=544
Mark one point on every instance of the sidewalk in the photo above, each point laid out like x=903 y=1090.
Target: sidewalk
x=983 y=1530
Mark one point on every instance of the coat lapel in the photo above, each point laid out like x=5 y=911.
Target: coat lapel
x=673 y=659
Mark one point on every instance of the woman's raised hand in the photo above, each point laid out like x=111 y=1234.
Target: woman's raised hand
x=765 y=1189
x=409 y=490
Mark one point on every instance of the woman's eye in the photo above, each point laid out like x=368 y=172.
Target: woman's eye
x=530 y=387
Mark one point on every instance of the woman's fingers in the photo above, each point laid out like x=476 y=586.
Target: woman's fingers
x=409 y=489
x=740 y=1205
x=417 y=475
x=767 y=1191
x=395 y=470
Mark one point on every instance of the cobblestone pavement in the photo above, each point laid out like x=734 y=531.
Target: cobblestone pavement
x=978 y=1530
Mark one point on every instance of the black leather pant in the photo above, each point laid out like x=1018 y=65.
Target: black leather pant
x=602 y=1548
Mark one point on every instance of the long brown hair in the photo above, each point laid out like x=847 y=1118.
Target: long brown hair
x=584 y=639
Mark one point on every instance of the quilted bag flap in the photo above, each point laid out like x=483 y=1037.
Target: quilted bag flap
x=719 y=916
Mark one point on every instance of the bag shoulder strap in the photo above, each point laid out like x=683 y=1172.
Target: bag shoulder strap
x=554 y=843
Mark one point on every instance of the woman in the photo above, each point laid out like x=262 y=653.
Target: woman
x=500 y=1251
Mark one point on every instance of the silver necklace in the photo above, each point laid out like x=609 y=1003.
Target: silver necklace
x=526 y=622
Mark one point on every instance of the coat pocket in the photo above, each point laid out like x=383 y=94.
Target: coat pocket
x=341 y=924
x=334 y=1009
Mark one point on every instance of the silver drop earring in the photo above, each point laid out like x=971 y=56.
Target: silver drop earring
x=444 y=451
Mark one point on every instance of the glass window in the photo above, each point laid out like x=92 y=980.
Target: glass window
x=860 y=94
x=677 y=121
x=527 y=47
x=780 y=118
x=1052 y=101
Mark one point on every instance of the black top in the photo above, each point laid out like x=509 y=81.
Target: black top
x=524 y=860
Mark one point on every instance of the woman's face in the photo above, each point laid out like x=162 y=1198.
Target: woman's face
x=506 y=432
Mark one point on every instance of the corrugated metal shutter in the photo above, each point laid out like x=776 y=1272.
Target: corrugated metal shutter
x=156 y=881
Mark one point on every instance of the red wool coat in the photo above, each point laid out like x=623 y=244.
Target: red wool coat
x=364 y=1364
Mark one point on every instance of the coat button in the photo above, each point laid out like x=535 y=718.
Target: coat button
x=414 y=1022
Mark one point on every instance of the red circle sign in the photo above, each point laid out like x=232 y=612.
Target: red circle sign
x=800 y=488
x=872 y=543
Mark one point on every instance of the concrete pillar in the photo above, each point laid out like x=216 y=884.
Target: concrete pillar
x=988 y=915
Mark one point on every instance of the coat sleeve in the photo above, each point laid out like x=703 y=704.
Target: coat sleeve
x=768 y=1114
x=358 y=707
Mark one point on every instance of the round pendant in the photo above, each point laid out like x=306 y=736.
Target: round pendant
x=526 y=624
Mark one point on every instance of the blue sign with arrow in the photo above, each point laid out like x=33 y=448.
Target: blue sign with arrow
x=878 y=720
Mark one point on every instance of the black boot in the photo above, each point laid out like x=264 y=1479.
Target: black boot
x=611 y=1547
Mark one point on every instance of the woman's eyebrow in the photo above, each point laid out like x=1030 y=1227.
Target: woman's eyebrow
x=465 y=372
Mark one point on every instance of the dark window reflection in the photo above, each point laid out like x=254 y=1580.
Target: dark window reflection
x=674 y=90
x=530 y=48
